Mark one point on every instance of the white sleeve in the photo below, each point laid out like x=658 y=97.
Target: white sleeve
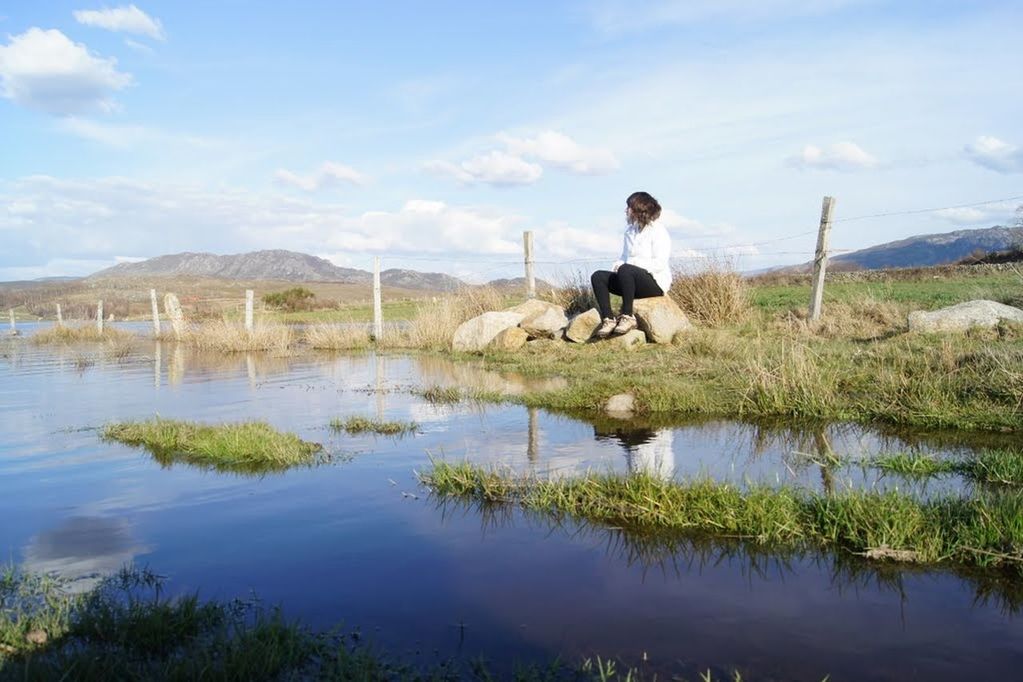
x=662 y=250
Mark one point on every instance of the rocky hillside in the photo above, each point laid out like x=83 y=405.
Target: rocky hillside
x=277 y=265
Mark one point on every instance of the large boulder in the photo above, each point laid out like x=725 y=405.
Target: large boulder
x=533 y=306
x=546 y=324
x=620 y=406
x=661 y=318
x=475 y=334
x=962 y=316
x=581 y=327
x=512 y=338
x=630 y=339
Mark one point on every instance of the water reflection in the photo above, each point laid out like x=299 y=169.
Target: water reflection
x=83 y=549
x=647 y=450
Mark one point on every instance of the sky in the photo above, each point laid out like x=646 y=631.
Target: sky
x=433 y=134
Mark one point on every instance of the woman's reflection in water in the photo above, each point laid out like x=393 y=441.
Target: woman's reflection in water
x=647 y=450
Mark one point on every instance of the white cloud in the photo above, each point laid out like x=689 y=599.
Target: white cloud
x=990 y=214
x=995 y=154
x=45 y=70
x=131 y=136
x=128 y=19
x=493 y=168
x=561 y=151
x=139 y=47
x=622 y=16
x=841 y=156
x=329 y=174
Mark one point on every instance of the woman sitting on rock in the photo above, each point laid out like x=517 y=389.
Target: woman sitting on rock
x=641 y=272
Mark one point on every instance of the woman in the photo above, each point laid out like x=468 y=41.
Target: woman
x=641 y=272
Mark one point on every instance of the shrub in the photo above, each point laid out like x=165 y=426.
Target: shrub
x=715 y=295
x=296 y=298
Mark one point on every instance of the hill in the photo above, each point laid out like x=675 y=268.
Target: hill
x=922 y=250
x=275 y=265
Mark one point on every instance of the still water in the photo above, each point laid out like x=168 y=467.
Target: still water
x=358 y=541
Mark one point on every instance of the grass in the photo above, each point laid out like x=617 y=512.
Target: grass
x=232 y=337
x=999 y=467
x=356 y=425
x=66 y=334
x=125 y=629
x=244 y=446
x=342 y=336
x=983 y=531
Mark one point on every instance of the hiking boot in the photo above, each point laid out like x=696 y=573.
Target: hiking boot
x=605 y=328
x=626 y=323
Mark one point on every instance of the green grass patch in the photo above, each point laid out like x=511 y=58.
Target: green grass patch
x=996 y=467
x=914 y=464
x=356 y=425
x=244 y=447
x=985 y=530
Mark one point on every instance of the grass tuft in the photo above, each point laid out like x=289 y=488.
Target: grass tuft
x=365 y=425
x=58 y=334
x=979 y=531
x=244 y=446
x=232 y=337
x=343 y=336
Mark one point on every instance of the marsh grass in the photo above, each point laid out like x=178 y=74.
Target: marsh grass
x=355 y=425
x=714 y=294
x=232 y=337
x=342 y=336
x=985 y=530
x=433 y=325
x=442 y=395
x=243 y=447
x=996 y=467
x=126 y=629
x=66 y=335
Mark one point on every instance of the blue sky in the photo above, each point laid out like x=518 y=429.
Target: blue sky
x=433 y=134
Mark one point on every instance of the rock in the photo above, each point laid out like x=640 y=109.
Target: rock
x=581 y=327
x=533 y=306
x=621 y=406
x=630 y=340
x=36 y=637
x=962 y=316
x=546 y=324
x=510 y=339
x=661 y=318
x=475 y=334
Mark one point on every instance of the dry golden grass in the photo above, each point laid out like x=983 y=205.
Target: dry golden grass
x=714 y=295
x=574 y=294
x=865 y=318
x=345 y=336
x=66 y=335
x=232 y=337
x=433 y=325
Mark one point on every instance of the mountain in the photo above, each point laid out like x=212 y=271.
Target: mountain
x=277 y=265
x=922 y=250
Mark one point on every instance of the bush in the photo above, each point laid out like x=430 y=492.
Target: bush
x=713 y=296
x=296 y=298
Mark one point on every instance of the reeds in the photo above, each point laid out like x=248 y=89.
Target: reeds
x=233 y=337
x=344 y=336
x=243 y=446
x=64 y=334
x=434 y=324
x=983 y=530
x=713 y=295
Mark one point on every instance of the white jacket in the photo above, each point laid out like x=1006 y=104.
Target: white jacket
x=650 y=249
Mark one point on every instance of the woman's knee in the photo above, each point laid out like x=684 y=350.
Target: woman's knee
x=600 y=277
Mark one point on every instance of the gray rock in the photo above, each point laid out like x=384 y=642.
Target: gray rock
x=533 y=306
x=475 y=334
x=661 y=318
x=546 y=324
x=581 y=327
x=630 y=340
x=621 y=406
x=511 y=339
x=962 y=316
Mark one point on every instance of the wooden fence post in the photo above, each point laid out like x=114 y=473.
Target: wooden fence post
x=249 y=298
x=14 y=325
x=820 y=259
x=172 y=307
x=378 y=313
x=156 y=312
x=527 y=245
x=60 y=317
x=99 y=317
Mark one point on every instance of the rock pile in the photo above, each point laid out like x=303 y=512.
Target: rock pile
x=659 y=319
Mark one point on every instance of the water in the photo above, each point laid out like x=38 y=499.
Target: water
x=359 y=541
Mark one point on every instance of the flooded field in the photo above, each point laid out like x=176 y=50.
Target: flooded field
x=357 y=540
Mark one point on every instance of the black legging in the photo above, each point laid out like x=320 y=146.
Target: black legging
x=630 y=282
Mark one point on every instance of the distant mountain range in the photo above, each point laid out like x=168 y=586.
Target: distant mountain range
x=922 y=250
x=277 y=265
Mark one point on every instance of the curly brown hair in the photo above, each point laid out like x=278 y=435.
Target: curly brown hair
x=643 y=209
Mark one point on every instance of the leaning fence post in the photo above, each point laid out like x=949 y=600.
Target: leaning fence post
x=249 y=298
x=378 y=314
x=156 y=312
x=527 y=246
x=14 y=326
x=99 y=317
x=820 y=259
x=172 y=307
x=60 y=317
